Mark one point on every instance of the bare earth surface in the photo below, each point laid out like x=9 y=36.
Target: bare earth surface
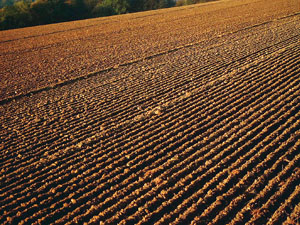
x=188 y=115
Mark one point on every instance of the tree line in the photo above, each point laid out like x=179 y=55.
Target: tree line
x=30 y=13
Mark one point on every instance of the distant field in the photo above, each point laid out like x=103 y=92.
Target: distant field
x=188 y=115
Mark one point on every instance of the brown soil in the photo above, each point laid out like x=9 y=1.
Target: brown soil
x=187 y=115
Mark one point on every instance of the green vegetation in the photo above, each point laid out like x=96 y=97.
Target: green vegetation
x=189 y=2
x=24 y=13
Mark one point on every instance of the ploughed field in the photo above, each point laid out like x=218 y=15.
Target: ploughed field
x=188 y=115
